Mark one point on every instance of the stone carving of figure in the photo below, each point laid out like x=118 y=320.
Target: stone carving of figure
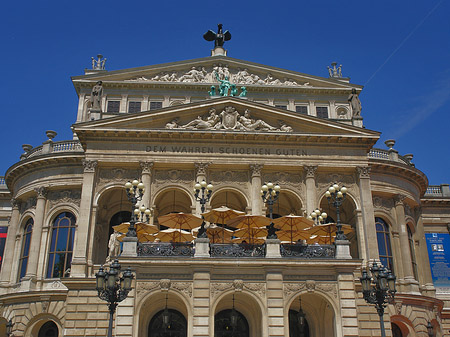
x=192 y=75
x=250 y=124
x=243 y=92
x=355 y=103
x=96 y=96
x=199 y=123
x=173 y=124
x=284 y=127
x=114 y=246
x=98 y=64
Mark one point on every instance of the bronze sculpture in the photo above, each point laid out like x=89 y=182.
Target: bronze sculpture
x=219 y=38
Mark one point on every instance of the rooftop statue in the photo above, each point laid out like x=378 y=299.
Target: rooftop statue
x=219 y=38
x=98 y=64
x=96 y=96
x=335 y=72
x=355 y=103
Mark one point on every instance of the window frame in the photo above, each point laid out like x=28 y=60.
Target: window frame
x=412 y=252
x=134 y=108
x=108 y=106
x=301 y=106
x=389 y=258
x=322 y=107
x=26 y=238
x=155 y=102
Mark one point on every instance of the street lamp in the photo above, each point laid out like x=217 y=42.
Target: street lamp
x=269 y=195
x=135 y=191
x=430 y=329
x=379 y=289
x=336 y=196
x=143 y=214
x=317 y=217
x=202 y=193
x=113 y=288
x=9 y=327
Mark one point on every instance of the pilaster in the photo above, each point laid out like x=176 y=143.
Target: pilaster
x=79 y=261
x=311 y=191
x=425 y=279
x=275 y=301
x=201 y=305
x=347 y=305
x=8 y=256
x=368 y=216
x=256 y=188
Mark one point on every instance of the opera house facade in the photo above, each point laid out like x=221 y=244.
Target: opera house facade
x=238 y=126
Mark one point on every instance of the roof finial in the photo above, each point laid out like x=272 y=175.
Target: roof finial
x=98 y=64
x=219 y=39
x=335 y=72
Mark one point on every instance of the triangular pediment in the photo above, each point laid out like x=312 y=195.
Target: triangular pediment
x=227 y=116
x=203 y=72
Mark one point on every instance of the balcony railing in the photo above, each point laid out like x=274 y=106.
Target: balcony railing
x=53 y=147
x=309 y=251
x=385 y=155
x=165 y=249
x=237 y=250
x=2 y=182
x=442 y=191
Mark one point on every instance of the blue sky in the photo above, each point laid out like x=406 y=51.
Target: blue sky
x=399 y=50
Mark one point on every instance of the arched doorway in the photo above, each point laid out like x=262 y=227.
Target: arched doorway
x=396 y=331
x=297 y=328
x=226 y=326
x=49 y=329
x=176 y=327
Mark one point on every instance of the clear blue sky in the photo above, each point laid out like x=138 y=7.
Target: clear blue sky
x=46 y=42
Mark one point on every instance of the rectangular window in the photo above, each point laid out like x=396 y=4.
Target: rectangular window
x=134 y=107
x=113 y=106
x=3 y=233
x=281 y=106
x=322 y=111
x=155 y=105
x=301 y=109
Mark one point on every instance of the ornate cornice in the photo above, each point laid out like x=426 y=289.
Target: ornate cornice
x=310 y=171
x=146 y=166
x=256 y=169
x=89 y=165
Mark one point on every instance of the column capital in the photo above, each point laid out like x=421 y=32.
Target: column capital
x=363 y=171
x=89 y=165
x=146 y=166
x=256 y=169
x=399 y=198
x=41 y=192
x=15 y=203
x=310 y=171
x=201 y=168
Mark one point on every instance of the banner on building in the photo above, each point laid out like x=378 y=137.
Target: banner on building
x=438 y=245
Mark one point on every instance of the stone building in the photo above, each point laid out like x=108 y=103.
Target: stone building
x=165 y=125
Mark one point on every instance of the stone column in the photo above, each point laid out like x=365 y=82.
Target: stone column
x=35 y=243
x=79 y=261
x=275 y=301
x=200 y=175
x=368 y=216
x=201 y=304
x=312 y=108
x=123 y=104
x=362 y=240
x=311 y=190
x=403 y=233
x=91 y=244
x=8 y=256
x=256 y=189
x=146 y=167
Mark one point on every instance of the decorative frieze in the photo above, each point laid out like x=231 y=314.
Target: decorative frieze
x=382 y=203
x=29 y=203
x=285 y=179
x=184 y=287
x=238 y=285
x=310 y=286
x=399 y=198
x=89 y=165
x=169 y=177
x=119 y=175
x=164 y=285
x=15 y=203
x=66 y=196
x=229 y=177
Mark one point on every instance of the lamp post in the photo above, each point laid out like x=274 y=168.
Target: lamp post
x=301 y=319
x=135 y=191
x=233 y=317
x=336 y=196
x=379 y=289
x=430 y=329
x=9 y=327
x=269 y=195
x=317 y=217
x=112 y=288
x=202 y=193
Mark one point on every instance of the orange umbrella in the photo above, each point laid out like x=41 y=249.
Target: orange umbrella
x=180 y=221
x=293 y=227
x=292 y=236
x=328 y=230
x=216 y=233
x=320 y=239
x=220 y=216
x=251 y=233
x=143 y=230
x=258 y=240
x=172 y=234
x=249 y=221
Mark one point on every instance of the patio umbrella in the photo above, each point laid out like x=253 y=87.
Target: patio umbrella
x=174 y=234
x=328 y=229
x=320 y=239
x=143 y=230
x=249 y=221
x=251 y=233
x=293 y=227
x=220 y=216
x=180 y=220
x=216 y=233
x=256 y=241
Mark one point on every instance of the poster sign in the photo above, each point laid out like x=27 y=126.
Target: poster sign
x=438 y=245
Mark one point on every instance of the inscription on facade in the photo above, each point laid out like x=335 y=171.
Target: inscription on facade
x=226 y=150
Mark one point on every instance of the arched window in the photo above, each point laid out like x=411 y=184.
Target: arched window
x=223 y=326
x=176 y=327
x=61 y=246
x=25 y=252
x=384 y=243
x=295 y=328
x=49 y=329
x=411 y=250
x=396 y=331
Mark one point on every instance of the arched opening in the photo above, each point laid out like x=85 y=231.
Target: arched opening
x=49 y=329
x=230 y=323
x=172 y=200
x=347 y=215
x=170 y=323
x=3 y=323
x=113 y=209
x=25 y=250
x=229 y=198
x=396 y=331
x=318 y=316
x=384 y=243
x=287 y=203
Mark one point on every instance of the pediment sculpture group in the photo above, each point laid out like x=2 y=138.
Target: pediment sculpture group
x=229 y=119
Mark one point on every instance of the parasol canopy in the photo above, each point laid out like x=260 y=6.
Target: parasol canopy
x=249 y=221
x=144 y=231
x=292 y=222
x=251 y=234
x=328 y=230
x=256 y=241
x=180 y=220
x=221 y=215
x=217 y=234
x=293 y=236
x=174 y=235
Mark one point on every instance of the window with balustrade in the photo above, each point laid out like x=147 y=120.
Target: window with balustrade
x=61 y=245
x=384 y=243
x=25 y=251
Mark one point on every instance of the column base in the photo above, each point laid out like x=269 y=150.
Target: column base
x=201 y=247
x=129 y=247
x=78 y=268
x=342 y=249
x=273 y=248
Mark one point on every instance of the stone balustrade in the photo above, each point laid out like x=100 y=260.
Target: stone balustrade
x=439 y=191
x=385 y=155
x=53 y=147
x=2 y=181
